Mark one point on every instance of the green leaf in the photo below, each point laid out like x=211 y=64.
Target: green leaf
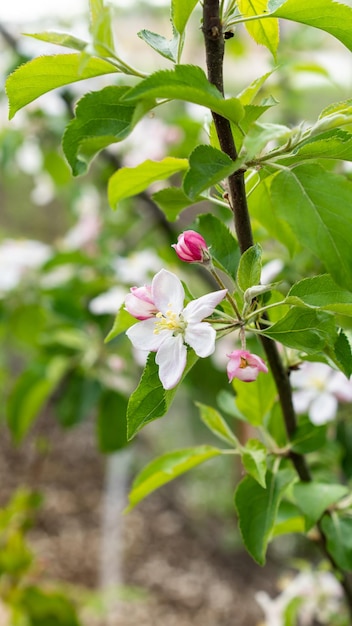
x=264 y=32
x=223 y=246
x=249 y=93
x=257 y=509
x=100 y=120
x=171 y=201
x=189 y=83
x=254 y=400
x=129 y=181
x=207 y=166
x=304 y=329
x=259 y=135
x=45 y=73
x=330 y=16
x=100 y=27
x=150 y=400
x=343 y=353
x=338 y=532
x=288 y=520
x=250 y=268
x=60 y=39
x=322 y=292
x=30 y=392
x=216 y=423
x=263 y=209
x=166 y=47
x=43 y=607
x=314 y=498
x=254 y=460
x=111 y=422
x=308 y=437
x=332 y=144
x=180 y=13
x=123 y=321
x=167 y=468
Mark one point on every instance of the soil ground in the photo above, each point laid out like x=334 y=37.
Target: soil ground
x=181 y=574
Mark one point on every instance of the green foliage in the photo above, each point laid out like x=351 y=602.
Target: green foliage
x=111 y=422
x=314 y=498
x=180 y=13
x=257 y=509
x=318 y=216
x=323 y=293
x=224 y=247
x=186 y=82
x=166 y=468
x=254 y=460
x=308 y=437
x=100 y=120
x=166 y=47
x=264 y=32
x=333 y=17
x=207 y=166
x=216 y=423
x=45 y=73
x=128 y=181
x=171 y=201
x=250 y=268
x=337 y=529
x=307 y=330
x=256 y=399
x=150 y=400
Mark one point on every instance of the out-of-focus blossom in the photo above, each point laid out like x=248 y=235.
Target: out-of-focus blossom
x=174 y=326
x=17 y=257
x=29 y=157
x=139 y=303
x=191 y=247
x=44 y=190
x=320 y=595
x=137 y=267
x=245 y=366
x=317 y=391
x=271 y=270
x=109 y=302
x=149 y=140
x=87 y=228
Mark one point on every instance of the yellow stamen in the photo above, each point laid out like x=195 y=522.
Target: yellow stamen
x=243 y=363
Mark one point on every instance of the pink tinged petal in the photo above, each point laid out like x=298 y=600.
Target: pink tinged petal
x=247 y=374
x=245 y=366
x=201 y=337
x=201 y=308
x=171 y=358
x=254 y=361
x=323 y=409
x=140 y=308
x=341 y=387
x=167 y=292
x=143 y=337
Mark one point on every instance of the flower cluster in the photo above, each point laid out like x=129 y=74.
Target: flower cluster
x=167 y=327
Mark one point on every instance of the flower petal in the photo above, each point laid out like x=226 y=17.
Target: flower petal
x=143 y=337
x=323 y=409
x=171 y=358
x=201 y=337
x=198 y=309
x=167 y=291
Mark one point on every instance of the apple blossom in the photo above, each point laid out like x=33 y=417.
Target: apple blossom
x=245 y=366
x=139 y=303
x=173 y=326
x=317 y=391
x=191 y=247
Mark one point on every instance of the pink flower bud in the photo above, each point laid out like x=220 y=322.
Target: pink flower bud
x=191 y=247
x=139 y=303
x=245 y=366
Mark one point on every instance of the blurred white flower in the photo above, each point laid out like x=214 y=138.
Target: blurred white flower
x=17 y=257
x=319 y=592
x=137 y=267
x=317 y=391
x=270 y=270
x=149 y=140
x=44 y=190
x=108 y=302
x=29 y=157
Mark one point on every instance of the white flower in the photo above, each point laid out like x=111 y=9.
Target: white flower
x=318 y=390
x=173 y=326
x=17 y=257
x=108 y=302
